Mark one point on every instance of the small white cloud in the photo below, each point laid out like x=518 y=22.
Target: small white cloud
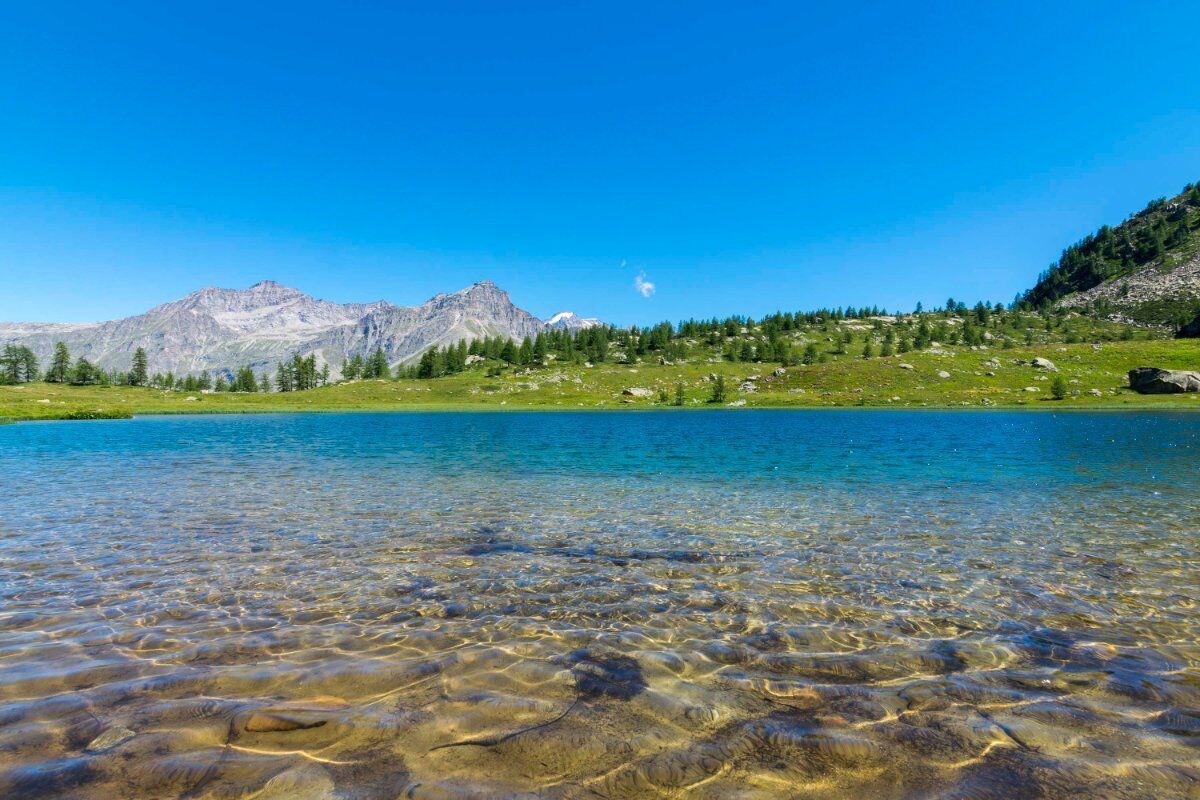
x=645 y=287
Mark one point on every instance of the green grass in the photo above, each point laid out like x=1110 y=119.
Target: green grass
x=845 y=382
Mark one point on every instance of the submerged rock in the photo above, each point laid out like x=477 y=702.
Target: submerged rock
x=601 y=674
x=1152 y=380
x=110 y=738
x=277 y=722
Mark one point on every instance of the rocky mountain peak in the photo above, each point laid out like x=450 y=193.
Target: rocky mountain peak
x=218 y=330
x=569 y=320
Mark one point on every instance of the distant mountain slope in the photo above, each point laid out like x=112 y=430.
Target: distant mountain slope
x=1147 y=269
x=217 y=330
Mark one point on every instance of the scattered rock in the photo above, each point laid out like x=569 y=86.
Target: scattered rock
x=1043 y=363
x=1095 y=393
x=637 y=391
x=747 y=386
x=1031 y=389
x=295 y=716
x=275 y=723
x=736 y=403
x=1152 y=380
x=474 y=359
x=943 y=374
x=779 y=372
x=111 y=737
x=906 y=366
x=190 y=399
x=306 y=782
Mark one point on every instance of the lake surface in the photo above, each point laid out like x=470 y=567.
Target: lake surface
x=719 y=604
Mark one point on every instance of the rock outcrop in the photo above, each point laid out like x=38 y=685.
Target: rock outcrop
x=1152 y=380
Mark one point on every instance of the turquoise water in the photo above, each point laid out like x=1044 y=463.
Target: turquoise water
x=712 y=604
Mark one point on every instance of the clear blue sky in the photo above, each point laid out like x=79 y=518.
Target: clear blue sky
x=742 y=157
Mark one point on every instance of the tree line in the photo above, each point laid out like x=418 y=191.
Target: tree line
x=867 y=332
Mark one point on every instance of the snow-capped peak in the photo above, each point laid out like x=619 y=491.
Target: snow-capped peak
x=571 y=321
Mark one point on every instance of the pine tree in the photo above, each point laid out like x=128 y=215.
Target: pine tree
x=60 y=365
x=718 y=390
x=377 y=366
x=137 y=373
x=18 y=364
x=84 y=373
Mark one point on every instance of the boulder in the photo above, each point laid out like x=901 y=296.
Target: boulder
x=943 y=374
x=1191 y=330
x=747 y=386
x=906 y=366
x=638 y=392
x=1043 y=363
x=1152 y=380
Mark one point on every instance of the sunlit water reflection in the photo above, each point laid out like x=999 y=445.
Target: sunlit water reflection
x=725 y=604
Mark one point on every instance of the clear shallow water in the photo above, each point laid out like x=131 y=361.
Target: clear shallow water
x=728 y=604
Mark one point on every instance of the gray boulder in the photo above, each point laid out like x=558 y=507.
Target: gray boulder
x=1152 y=380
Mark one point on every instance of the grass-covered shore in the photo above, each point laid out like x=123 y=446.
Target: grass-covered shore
x=991 y=378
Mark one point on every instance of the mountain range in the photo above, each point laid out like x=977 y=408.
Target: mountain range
x=1145 y=270
x=218 y=330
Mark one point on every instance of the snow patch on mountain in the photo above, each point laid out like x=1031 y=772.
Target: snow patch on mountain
x=569 y=320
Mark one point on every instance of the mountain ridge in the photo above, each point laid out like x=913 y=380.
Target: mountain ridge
x=217 y=330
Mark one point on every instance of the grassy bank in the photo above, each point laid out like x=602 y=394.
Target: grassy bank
x=1095 y=375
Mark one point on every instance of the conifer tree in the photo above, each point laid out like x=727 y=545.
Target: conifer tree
x=137 y=372
x=718 y=390
x=60 y=365
x=18 y=364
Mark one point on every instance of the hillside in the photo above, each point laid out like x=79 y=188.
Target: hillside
x=1095 y=377
x=1145 y=270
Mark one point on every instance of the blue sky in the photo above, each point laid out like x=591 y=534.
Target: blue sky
x=740 y=157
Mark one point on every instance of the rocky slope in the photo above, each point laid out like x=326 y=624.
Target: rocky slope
x=218 y=330
x=1145 y=270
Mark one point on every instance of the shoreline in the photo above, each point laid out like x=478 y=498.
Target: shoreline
x=1039 y=408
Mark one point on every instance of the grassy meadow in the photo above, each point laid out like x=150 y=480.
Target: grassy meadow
x=978 y=378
